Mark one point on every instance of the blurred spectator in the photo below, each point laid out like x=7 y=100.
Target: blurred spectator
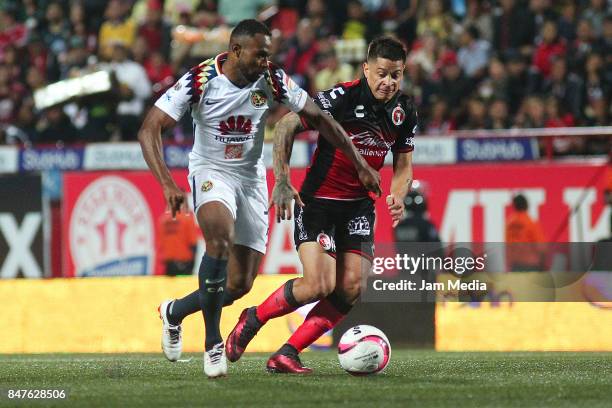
x=359 y=25
x=551 y=46
x=55 y=34
x=233 y=11
x=480 y=17
x=506 y=33
x=520 y=81
x=595 y=14
x=567 y=22
x=160 y=73
x=178 y=239
x=81 y=27
x=439 y=122
x=117 y=28
x=498 y=115
x=435 y=20
x=11 y=31
x=581 y=46
x=55 y=126
x=473 y=55
x=425 y=53
x=332 y=72
x=155 y=30
x=495 y=84
x=302 y=52
x=320 y=19
x=134 y=89
x=476 y=115
x=454 y=87
x=405 y=17
x=541 y=12
x=532 y=113
x=140 y=50
x=556 y=118
x=566 y=87
x=523 y=234
x=76 y=58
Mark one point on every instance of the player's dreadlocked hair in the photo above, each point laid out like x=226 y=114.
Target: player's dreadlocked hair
x=386 y=47
x=249 y=28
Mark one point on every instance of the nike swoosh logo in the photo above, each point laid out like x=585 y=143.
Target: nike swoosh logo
x=213 y=281
x=208 y=102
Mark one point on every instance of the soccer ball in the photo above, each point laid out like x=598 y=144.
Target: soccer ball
x=364 y=350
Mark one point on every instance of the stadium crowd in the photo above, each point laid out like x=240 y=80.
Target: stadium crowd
x=472 y=64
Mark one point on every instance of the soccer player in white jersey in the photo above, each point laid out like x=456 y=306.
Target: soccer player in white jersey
x=229 y=97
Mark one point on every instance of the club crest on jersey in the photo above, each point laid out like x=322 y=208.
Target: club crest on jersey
x=326 y=242
x=233 y=151
x=258 y=98
x=177 y=86
x=398 y=115
x=207 y=186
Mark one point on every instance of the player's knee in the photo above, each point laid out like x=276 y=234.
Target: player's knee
x=219 y=245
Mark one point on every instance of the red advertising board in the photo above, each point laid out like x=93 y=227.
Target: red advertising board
x=109 y=218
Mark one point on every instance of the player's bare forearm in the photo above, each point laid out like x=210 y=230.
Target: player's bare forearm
x=402 y=175
x=150 y=140
x=284 y=135
x=283 y=192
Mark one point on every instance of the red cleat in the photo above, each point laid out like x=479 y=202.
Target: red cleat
x=244 y=331
x=281 y=363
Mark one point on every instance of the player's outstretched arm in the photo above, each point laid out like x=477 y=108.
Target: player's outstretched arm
x=335 y=134
x=150 y=140
x=283 y=192
x=400 y=185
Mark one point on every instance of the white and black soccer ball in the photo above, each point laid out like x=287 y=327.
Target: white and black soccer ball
x=364 y=350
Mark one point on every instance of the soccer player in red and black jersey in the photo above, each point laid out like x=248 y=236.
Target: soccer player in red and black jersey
x=334 y=213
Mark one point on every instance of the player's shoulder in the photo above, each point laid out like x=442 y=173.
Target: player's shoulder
x=203 y=73
x=407 y=103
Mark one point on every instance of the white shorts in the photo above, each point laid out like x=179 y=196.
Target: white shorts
x=246 y=200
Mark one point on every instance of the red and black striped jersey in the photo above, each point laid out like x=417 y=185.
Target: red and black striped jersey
x=374 y=128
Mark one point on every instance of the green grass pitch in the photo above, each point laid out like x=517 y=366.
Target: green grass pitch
x=413 y=379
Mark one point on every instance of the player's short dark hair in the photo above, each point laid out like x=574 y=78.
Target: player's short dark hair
x=249 y=28
x=386 y=47
x=519 y=202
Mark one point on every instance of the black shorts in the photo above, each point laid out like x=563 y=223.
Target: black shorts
x=337 y=225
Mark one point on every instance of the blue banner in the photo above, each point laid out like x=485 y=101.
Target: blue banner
x=496 y=149
x=177 y=156
x=39 y=159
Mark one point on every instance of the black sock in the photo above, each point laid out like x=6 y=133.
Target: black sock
x=183 y=307
x=287 y=350
x=212 y=279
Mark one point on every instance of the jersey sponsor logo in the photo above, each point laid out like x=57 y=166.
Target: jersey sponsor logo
x=258 y=98
x=359 y=226
x=236 y=126
x=398 y=115
x=326 y=242
x=367 y=139
x=207 y=186
x=233 y=151
x=111 y=230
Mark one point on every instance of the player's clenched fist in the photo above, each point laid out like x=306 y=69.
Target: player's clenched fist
x=174 y=198
x=282 y=195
